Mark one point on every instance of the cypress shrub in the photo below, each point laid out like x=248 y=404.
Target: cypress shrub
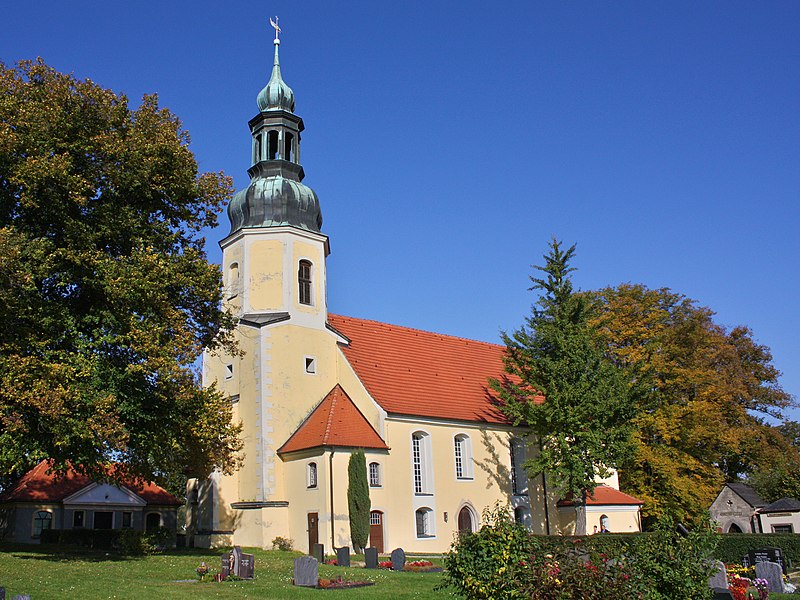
x=358 y=500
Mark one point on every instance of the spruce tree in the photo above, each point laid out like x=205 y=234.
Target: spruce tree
x=581 y=430
x=358 y=500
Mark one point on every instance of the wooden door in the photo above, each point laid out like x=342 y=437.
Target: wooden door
x=376 y=530
x=313 y=531
x=464 y=521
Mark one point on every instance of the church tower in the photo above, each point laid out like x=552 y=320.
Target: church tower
x=275 y=284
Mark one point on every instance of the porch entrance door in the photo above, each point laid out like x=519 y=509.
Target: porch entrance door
x=376 y=530
x=313 y=531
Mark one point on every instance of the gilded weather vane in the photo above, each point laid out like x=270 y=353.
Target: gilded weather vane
x=275 y=27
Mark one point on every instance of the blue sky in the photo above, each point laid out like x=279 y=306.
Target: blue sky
x=448 y=142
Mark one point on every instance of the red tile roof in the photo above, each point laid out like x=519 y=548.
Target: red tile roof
x=413 y=372
x=605 y=496
x=336 y=421
x=39 y=485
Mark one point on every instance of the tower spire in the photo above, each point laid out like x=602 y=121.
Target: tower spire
x=276 y=95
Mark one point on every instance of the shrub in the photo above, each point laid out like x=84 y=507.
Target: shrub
x=732 y=547
x=489 y=564
x=282 y=543
x=358 y=500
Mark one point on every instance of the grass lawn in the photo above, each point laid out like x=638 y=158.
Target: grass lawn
x=49 y=573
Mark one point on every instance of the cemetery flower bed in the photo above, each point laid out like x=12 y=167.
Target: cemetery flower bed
x=341 y=584
x=422 y=566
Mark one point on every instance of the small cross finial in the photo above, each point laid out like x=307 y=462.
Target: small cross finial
x=275 y=27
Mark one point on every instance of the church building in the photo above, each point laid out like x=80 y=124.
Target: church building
x=310 y=387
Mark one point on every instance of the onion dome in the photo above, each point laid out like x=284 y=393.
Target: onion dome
x=276 y=95
x=272 y=200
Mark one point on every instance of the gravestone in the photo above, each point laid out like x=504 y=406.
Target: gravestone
x=722 y=594
x=343 y=557
x=318 y=552
x=247 y=566
x=306 y=571
x=238 y=563
x=720 y=577
x=773 y=573
x=768 y=554
x=2 y=593
x=398 y=559
x=21 y=597
x=370 y=558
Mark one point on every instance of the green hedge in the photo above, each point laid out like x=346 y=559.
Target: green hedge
x=732 y=547
x=124 y=541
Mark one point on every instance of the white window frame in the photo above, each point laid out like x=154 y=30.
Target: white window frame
x=421 y=463
x=424 y=523
x=517 y=447
x=83 y=519
x=374 y=474
x=302 y=282
x=462 y=455
x=312 y=476
x=310 y=365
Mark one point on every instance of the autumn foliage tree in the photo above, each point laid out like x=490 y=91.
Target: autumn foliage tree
x=710 y=393
x=106 y=297
x=582 y=429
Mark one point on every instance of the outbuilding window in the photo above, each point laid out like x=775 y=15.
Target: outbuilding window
x=42 y=519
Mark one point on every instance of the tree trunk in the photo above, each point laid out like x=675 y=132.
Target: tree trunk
x=580 y=516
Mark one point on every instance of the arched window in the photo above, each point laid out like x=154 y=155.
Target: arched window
x=233 y=280
x=312 y=475
x=288 y=150
x=603 y=524
x=421 y=458
x=304 y=282
x=272 y=149
x=42 y=519
x=519 y=476
x=424 y=520
x=463 y=456
x=374 y=475
x=152 y=521
x=257 y=148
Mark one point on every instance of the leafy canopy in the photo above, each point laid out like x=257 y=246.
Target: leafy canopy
x=709 y=393
x=575 y=402
x=106 y=297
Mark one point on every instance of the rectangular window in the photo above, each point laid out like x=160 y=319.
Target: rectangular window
x=78 y=519
x=311 y=365
x=519 y=477
x=127 y=520
x=782 y=529
x=374 y=475
x=228 y=371
x=424 y=525
x=374 y=518
x=304 y=282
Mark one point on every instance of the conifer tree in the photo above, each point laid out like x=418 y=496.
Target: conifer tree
x=582 y=428
x=358 y=500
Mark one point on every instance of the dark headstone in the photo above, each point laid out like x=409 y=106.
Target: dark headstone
x=398 y=559
x=773 y=573
x=721 y=594
x=318 y=552
x=247 y=566
x=2 y=593
x=306 y=571
x=228 y=564
x=768 y=554
x=720 y=577
x=343 y=557
x=371 y=558
x=21 y=597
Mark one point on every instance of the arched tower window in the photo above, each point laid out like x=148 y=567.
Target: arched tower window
x=272 y=140
x=288 y=146
x=257 y=148
x=304 y=282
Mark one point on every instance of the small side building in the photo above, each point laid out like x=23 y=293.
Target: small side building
x=782 y=516
x=735 y=509
x=42 y=500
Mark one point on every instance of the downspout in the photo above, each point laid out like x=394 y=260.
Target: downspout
x=333 y=512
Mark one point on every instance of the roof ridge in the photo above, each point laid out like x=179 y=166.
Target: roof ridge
x=406 y=327
x=329 y=420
